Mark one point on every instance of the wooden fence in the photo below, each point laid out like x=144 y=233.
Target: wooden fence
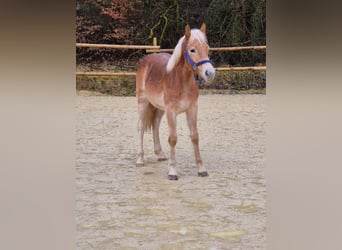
x=156 y=48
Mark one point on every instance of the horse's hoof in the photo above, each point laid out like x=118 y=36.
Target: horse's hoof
x=139 y=164
x=203 y=174
x=172 y=177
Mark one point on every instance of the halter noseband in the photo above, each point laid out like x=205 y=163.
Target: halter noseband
x=193 y=64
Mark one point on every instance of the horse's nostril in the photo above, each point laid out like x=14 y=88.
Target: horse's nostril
x=209 y=74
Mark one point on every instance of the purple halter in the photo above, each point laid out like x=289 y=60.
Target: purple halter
x=193 y=64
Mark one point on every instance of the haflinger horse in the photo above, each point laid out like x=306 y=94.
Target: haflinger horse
x=169 y=84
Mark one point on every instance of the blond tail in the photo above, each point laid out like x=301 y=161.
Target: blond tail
x=150 y=116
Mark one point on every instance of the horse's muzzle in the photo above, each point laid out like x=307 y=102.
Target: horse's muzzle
x=207 y=73
x=210 y=74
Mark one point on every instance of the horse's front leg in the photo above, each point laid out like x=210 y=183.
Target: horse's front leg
x=172 y=123
x=155 y=127
x=191 y=116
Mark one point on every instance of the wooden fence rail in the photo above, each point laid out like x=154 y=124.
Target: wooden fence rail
x=115 y=46
x=263 y=47
x=156 y=48
x=105 y=73
x=240 y=68
x=133 y=73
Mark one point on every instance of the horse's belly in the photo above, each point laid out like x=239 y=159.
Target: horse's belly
x=157 y=101
x=180 y=107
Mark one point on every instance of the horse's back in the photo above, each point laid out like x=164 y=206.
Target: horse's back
x=151 y=70
x=155 y=57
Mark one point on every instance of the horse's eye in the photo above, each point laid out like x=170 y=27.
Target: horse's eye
x=192 y=50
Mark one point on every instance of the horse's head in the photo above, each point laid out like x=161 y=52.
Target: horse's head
x=196 y=51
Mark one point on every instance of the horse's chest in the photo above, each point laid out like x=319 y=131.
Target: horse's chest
x=183 y=104
x=181 y=101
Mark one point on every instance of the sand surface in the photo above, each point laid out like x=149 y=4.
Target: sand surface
x=120 y=206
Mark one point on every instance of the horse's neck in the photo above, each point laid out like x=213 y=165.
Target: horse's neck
x=185 y=71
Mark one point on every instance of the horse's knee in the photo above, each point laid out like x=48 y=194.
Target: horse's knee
x=172 y=140
x=141 y=123
x=195 y=138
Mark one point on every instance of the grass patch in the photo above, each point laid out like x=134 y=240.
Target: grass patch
x=118 y=86
x=233 y=92
x=238 y=80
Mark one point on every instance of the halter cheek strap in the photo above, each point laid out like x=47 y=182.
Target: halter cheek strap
x=193 y=64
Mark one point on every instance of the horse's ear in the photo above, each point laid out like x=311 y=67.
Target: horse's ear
x=187 y=32
x=203 y=28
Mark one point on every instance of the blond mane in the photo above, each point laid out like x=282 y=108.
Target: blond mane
x=177 y=52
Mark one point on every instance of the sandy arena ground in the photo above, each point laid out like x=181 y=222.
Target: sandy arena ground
x=121 y=206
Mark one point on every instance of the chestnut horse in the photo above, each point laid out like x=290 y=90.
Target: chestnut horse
x=168 y=84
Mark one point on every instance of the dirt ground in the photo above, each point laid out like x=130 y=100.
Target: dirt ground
x=121 y=206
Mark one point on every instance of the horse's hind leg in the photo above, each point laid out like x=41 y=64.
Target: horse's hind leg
x=191 y=116
x=158 y=115
x=143 y=104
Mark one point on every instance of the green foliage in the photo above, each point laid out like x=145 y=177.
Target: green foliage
x=229 y=23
